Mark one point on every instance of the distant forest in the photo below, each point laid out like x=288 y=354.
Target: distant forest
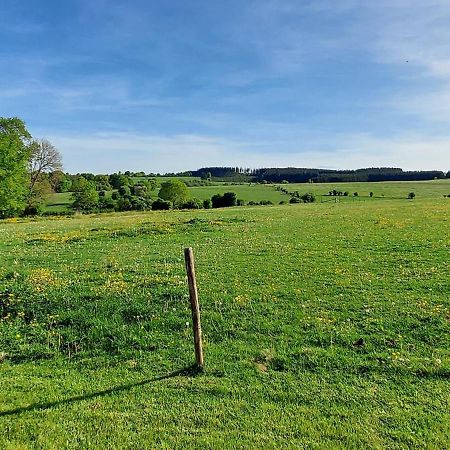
x=304 y=175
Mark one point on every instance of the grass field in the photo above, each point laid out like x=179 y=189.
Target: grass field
x=258 y=192
x=325 y=325
x=384 y=189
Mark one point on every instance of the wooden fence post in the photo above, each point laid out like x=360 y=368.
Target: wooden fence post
x=195 y=307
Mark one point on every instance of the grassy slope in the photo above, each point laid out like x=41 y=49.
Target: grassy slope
x=257 y=192
x=386 y=189
x=285 y=293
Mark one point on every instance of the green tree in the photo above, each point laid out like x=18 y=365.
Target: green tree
x=15 y=153
x=85 y=195
x=174 y=191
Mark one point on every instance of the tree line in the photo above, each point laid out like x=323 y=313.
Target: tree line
x=305 y=175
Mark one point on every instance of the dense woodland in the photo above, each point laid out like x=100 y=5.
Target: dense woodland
x=305 y=175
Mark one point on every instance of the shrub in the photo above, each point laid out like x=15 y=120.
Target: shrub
x=224 y=201
x=355 y=194
x=295 y=200
x=371 y=194
x=193 y=203
x=124 y=204
x=32 y=210
x=240 y=202
x=308 y=198
x=207 y=203
x=161 y=205
x=411 y=195
x=124 y=191
x=107 y=204
x=139 y=203
x=282 y=202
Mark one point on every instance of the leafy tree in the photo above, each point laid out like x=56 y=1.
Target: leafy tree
x=411 y=195
x=225 y=200
x=124 y=191
x=161 y=204
x=117 y=179
x=193 y=203
x=174 y=191
x=85 y=195
x=14 y=155
x=60 y=182
x=102 y=183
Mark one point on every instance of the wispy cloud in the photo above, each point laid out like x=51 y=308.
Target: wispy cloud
x=107 y=152
x=313 y=83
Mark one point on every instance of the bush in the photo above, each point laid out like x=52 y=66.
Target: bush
x=139 y=203
x=207 y=203
x=411 y=195
x=240 y=202
x=161 y=205
x=355 y=194
x=295 y=200
x=282 y=202
x=107 y=204
x=124 y=191
x=193 y=203
x=124 y=204
x=32 y=210
x=308 y=198
x=371 y=194
x=224 y=201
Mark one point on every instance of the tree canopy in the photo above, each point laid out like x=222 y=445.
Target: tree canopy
x=15 y=152
x=175 y=191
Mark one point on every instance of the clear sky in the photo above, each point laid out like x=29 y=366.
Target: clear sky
x=170 y=85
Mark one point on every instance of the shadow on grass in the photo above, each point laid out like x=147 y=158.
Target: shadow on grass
x=190 y=371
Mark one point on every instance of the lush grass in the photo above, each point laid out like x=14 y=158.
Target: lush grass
x=325 y=325
x=258 y=192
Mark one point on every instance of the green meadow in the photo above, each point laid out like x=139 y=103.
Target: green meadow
x=325 y=325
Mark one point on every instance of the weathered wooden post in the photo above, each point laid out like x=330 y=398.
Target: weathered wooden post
x=195 y=307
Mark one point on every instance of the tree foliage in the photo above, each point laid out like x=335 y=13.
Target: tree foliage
x=14 y=156
x=174 y=191
x=85 y=195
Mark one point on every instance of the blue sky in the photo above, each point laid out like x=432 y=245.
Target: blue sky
x=175 y=85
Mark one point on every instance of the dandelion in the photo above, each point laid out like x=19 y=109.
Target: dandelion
x=41 y=279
